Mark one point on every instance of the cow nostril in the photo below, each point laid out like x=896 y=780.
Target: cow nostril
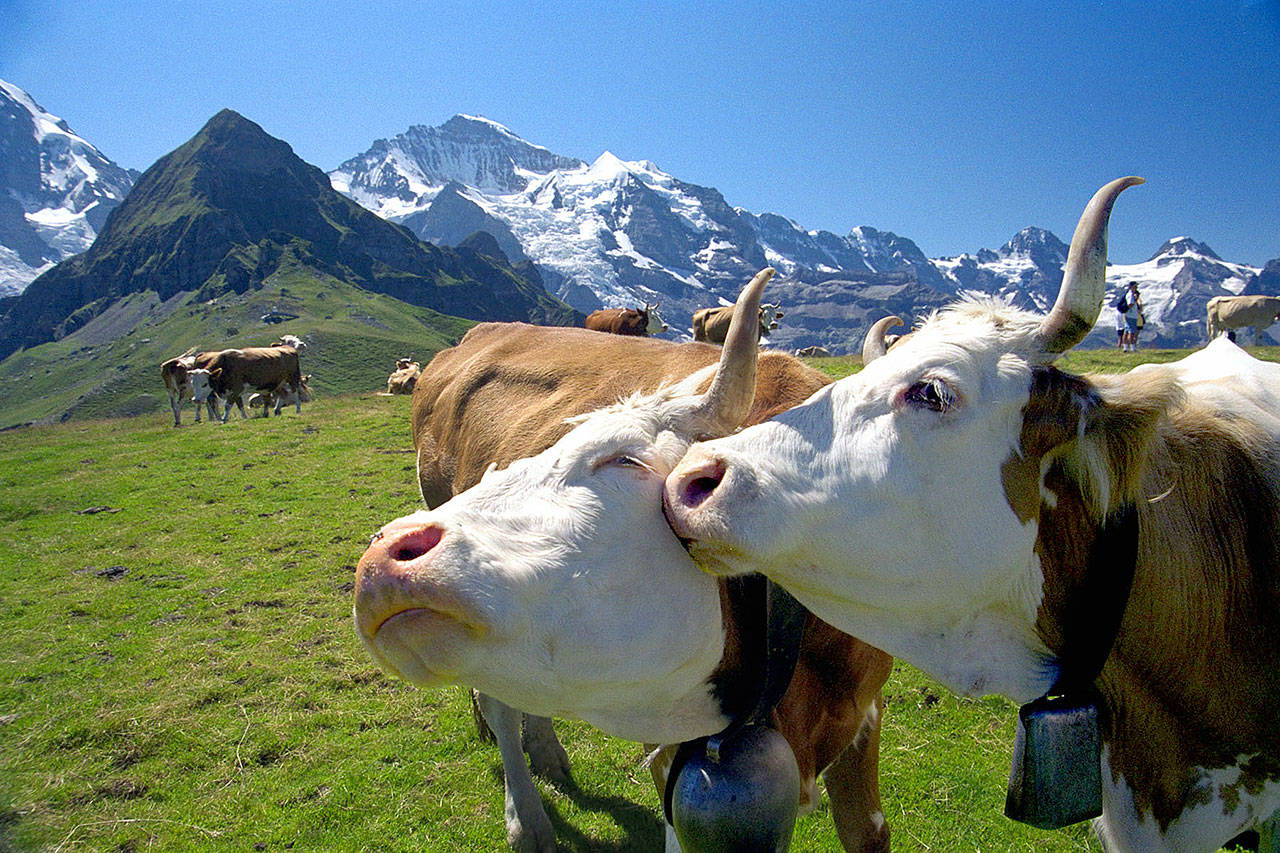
x=412 y=545
x=698 y=488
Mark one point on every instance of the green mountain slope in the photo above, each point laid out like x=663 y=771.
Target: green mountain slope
x=110 y=365
x=220 y=214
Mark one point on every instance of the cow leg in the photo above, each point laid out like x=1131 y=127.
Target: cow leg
x=528 y=827
x=175 y=403
x=547 y=757
x=853 y=786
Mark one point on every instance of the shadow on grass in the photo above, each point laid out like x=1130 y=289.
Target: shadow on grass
x=641 y=824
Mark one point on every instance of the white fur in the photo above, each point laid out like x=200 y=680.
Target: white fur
x=1204 y=827
x=587 y=605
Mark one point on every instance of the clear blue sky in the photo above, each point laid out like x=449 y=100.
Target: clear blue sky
x=953 y=124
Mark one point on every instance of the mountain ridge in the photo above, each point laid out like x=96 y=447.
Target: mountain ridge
x=613 y=233
x=219 y=212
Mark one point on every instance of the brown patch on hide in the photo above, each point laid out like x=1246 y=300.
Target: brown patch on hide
x=1194 y=678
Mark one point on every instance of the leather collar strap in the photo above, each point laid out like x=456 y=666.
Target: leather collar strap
x=775 y=654
x=1091 y=618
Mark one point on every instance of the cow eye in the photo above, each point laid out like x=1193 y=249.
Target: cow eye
x=622 y=460
x=932 y=394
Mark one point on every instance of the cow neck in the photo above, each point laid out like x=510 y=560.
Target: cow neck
x=1090 y=610
x=1055 y=774
x=770 y=628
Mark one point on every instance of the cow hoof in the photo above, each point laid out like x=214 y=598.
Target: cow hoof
x=537 y=837
x=547 y=757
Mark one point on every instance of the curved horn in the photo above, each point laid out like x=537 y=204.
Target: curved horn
x=873 y=343
x=725 y=405
x=1084 y=278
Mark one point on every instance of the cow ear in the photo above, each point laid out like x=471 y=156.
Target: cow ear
x=1101 y=429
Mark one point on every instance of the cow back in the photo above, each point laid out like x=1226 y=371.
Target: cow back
x=505 y=391
x=260 y=367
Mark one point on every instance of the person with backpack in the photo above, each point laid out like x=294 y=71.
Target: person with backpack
x=1129 y=314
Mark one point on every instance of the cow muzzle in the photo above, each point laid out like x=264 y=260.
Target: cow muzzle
x=406 y=613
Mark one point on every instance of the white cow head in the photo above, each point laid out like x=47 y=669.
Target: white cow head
x=894 y=503
x=555 y=584
x=654 y=324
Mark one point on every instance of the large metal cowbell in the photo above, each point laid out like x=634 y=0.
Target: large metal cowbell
x=1056 y=776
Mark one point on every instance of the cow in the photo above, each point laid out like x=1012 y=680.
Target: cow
x=404 y=377
x=291 y=341
x=813 y=352
x=282 y=394
x=184 y=377
x=257 y=368
x=639 y=322
x=511 y=587
x=1235 y=312
x=711 y=324
x=964 y=505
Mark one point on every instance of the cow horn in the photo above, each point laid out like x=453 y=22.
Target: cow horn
x=873 y=344
x=725 y=405
x=1084 y=278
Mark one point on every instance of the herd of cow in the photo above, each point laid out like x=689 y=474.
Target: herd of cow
x=596 y=504
x=219 y=379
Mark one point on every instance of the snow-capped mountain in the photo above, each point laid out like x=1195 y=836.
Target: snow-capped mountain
x=616 y=233
x=1175 y=284
x=612 y=232
x=56 y=190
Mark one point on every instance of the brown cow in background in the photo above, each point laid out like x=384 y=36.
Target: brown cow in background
x=180 y=375
x=712 y=324
x=639 y=322
x=1236 y=312
x=231 y=371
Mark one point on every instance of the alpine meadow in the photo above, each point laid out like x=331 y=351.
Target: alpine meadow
x=180 y=669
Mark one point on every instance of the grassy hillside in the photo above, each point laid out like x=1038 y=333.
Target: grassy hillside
x=111 y=365
x=180 y=670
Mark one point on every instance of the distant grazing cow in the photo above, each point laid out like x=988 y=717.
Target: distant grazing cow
x=291 y=341
x=553 y=582
x=627 y=321
x=813 y=352
x=282 y=394
x=1013 y=529
x=181 y=377
x=404 y=377
x=712 y=324
x=231 y=371
x=1235 y=312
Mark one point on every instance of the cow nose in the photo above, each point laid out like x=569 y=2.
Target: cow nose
x=409 y=545
x=399 y=543
x=690 y=485
x=396 y=574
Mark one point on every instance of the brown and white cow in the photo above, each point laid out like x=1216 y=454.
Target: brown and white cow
x=185 y=377
x=1236 y=312
x=263 y=369
x=638 y=322
x=944 y=503
x=404 y=377
x=712 y=324
x=553 y=582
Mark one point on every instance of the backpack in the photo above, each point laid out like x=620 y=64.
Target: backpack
x=1121 y=304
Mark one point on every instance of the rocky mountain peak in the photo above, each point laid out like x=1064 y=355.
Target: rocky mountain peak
x=1185 y=246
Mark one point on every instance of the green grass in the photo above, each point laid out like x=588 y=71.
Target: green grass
x=111 y=366
x=178 y=668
